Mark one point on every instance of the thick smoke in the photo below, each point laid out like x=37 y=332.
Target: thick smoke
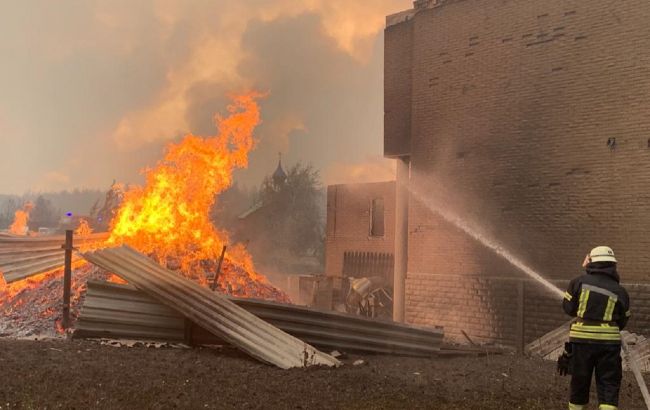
x=93 y=90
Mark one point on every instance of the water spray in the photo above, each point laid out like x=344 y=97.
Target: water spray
x=495 y=246
x=485 y=240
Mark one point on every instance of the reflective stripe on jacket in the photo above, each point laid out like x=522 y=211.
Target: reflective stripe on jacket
x=600 y=303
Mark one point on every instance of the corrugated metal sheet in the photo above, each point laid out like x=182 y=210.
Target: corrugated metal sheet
x=121 y=311
x=210 y=310
x=333 y=330
x=25 y=256
x=551 y=346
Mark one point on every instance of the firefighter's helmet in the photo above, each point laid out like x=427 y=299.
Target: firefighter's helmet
x=602 y=254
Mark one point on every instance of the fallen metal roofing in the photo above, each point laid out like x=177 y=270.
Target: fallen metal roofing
x=551 y=345
x=212 y=311
x=121 y=311
x=25 y=256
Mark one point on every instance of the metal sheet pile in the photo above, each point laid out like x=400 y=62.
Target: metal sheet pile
x=212 y=311
x=25 y=256
x=121 y=311
x=551 y=345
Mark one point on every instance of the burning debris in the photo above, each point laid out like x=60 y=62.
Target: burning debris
x=21 y=218
x=167 y=219
x=83 y=229
x=32 y=307
x=212 y=311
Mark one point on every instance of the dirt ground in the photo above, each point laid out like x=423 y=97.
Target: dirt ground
x=85 y=374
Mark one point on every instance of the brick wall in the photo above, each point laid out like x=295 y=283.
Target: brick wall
x=514 y=106
x=503 y=310
x=397 y=89
x=348 y=222
x=484 y=309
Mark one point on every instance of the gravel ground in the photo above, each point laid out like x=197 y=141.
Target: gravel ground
x=85 y=374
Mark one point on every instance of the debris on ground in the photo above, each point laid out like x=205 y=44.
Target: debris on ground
x=140 y=378
x=210 y=310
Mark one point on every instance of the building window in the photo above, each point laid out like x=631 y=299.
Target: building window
x=377 y=217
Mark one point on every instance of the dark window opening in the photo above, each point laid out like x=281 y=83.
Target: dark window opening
x=377 y=217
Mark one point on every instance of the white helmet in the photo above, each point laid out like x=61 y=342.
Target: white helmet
x=602 y=254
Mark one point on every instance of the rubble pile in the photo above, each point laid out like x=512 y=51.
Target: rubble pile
x=33 y=307
x=234 y=280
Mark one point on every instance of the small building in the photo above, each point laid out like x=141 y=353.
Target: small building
x=360 y=230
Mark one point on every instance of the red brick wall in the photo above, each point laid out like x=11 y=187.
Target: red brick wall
x=512 y=104
x=503 y=310
x=348 y=222
x=485 y=309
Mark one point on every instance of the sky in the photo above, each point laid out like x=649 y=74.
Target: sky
x=92 y=91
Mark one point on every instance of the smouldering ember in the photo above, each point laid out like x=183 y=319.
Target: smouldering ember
x=32 y=307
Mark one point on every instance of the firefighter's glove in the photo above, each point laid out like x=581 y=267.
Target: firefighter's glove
x=564 y=361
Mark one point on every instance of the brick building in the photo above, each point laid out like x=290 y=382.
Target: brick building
x=530 y=119
x=360 y=230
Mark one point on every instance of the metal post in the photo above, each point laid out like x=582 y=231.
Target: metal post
x=67 y=278
x=401 y=239
x=216 y=274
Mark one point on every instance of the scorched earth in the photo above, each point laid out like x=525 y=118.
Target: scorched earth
x=84 y=374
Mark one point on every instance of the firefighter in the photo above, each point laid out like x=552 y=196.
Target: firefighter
x=601 y=307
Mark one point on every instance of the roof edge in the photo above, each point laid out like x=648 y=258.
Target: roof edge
x=418 y=6
x=399 y=18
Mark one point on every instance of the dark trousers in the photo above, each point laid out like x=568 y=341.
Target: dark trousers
x=606 y=360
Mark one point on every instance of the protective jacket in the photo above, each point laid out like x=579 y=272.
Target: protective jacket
x=600 y=303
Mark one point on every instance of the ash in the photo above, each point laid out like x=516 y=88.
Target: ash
x=32 y=308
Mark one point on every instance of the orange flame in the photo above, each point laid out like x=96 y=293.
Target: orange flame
x=169 y=216
x=83 y=229
x=113 y=278
x=21 y=217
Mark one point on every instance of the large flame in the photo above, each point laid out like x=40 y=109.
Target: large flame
x=21 y=217
x=168 y=218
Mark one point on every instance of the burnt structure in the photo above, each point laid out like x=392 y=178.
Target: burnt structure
x=530 y=120
x=360 y=230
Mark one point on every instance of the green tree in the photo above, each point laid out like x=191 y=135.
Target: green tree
x=229 y=205
x=43 y=215
x=293 y=210
x=7 y=212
